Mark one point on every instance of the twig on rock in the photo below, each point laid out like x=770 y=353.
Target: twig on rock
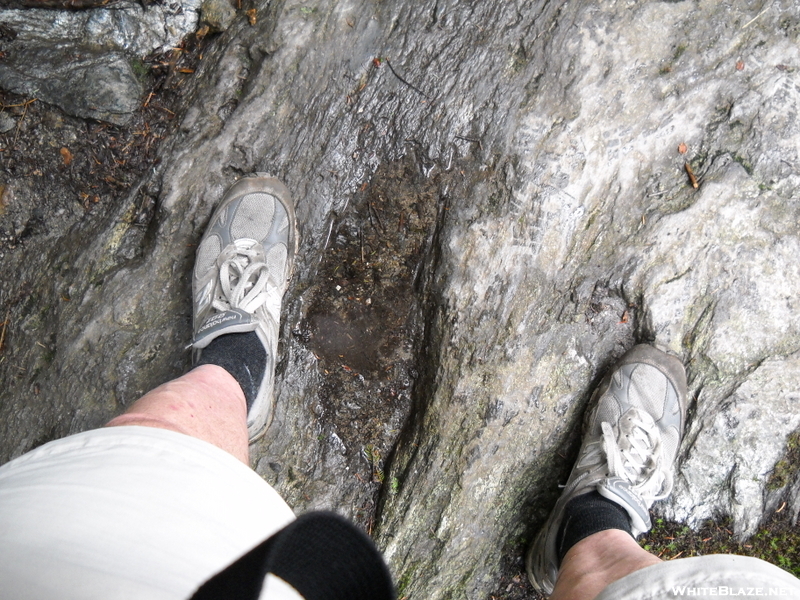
x=692 y=177
x=413 y=87
x=3 y=333
x=468 y=139
x=757 y=17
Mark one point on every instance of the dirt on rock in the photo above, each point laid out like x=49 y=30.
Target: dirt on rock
x=61 y=176
x=59 y=171
x=362 y=317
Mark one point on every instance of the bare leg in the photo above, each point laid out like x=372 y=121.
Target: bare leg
x=598 y=560
x=206 y=403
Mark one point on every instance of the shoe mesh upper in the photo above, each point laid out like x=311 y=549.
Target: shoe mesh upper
x=654 y=393
x=609 y=412
x=253 y=218
x=207 y=254
x=670 y=440
x=649 y=389
x=276 y=262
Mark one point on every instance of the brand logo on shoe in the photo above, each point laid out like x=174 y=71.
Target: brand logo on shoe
x=224 y=318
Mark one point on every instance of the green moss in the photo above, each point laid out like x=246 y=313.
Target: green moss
x=777 y=542
x=405 y=580
x=748 y=166
x=140 y=69
x=786 y=468
x=679 y=51
x=48 y=355
x=519 y=60
x=373 y=455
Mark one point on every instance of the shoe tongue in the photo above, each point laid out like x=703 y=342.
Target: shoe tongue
x=230 y=321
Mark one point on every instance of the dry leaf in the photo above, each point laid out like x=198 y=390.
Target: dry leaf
x=66 y=155
x=252 y=16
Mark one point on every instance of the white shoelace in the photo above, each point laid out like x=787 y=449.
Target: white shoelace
x=638 y=463
x=244 y=282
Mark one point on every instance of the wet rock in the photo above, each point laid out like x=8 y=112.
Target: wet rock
x=125 y=26
x=547 y=138
x=7 y=123
x=81 y=60
x=83 y=82
x=217 y=14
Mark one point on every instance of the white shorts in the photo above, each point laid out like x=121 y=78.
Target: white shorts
x=713 y=575
x=127 y=512
x=144 y=513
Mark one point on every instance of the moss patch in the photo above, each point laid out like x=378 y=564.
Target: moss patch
x=778 y=542
x=786 y=468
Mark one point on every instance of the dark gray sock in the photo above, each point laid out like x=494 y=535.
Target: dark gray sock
x=587 y=514
x=243 y=356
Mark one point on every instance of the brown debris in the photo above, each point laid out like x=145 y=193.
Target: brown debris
x=692 y=176
x=66 y=155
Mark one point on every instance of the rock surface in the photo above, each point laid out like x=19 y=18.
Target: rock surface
x=83 y=82
x=531 y=152
x=217 y=14
x=81 y=61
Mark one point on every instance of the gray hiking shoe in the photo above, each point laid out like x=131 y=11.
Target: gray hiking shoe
x=631 y=438
x=243 y=266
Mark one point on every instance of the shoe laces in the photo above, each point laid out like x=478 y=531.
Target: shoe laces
x=244 y=281
x=634 y=452
x=630 y=450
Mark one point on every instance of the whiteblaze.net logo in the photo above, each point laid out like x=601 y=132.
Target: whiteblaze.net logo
x=722 y=590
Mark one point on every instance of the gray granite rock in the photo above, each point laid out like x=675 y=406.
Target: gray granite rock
x=7 y=123
x=123 y=26
x=82 y=81
x=217 y=14
x=81 y=60
x=566 y=229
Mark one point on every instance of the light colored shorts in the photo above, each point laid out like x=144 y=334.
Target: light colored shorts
x=144 y=513
x=713 y=575
x=127 y=512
